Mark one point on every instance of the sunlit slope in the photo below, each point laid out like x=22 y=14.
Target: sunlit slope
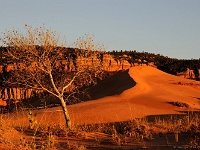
x=149 y=96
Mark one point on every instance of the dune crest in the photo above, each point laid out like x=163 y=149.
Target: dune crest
x=138 y=92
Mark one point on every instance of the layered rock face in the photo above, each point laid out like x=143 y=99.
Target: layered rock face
x=108 y=62
x=16 y=94
x=189 y=74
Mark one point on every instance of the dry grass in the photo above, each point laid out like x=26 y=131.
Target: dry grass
x=29 y=133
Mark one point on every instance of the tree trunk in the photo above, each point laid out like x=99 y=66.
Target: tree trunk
x=66 y=114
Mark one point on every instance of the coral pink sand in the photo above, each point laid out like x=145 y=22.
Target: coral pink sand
x=149 y=96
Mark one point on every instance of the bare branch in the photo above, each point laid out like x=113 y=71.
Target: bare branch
x=45 y=89
x=53 y=83
x=69 y=84
x=42 y=61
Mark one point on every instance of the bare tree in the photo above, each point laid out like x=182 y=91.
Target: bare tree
x=36 y=54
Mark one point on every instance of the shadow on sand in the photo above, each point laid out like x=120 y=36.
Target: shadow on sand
x=113 y=85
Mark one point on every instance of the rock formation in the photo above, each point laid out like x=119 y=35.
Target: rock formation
x=16 y=94
x=188 y=74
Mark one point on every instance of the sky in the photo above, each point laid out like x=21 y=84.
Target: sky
x=167 y=27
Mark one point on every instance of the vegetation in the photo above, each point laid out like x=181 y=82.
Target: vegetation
x=37 y=61
x=136 y=133
x=40 y=60
x=166 y=64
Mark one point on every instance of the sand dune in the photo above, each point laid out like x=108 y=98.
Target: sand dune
x=113 y=85
x=138 y=92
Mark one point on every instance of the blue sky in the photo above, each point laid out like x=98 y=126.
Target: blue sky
x=167 y=27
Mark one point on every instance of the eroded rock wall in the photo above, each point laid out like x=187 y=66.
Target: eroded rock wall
x=188 y=74
x=15 y=94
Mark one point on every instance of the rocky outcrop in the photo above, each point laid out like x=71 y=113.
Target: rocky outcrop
x=111 y=64
x=107 y=60
x=16 y=94
x=12 y=95
x=188 y=74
